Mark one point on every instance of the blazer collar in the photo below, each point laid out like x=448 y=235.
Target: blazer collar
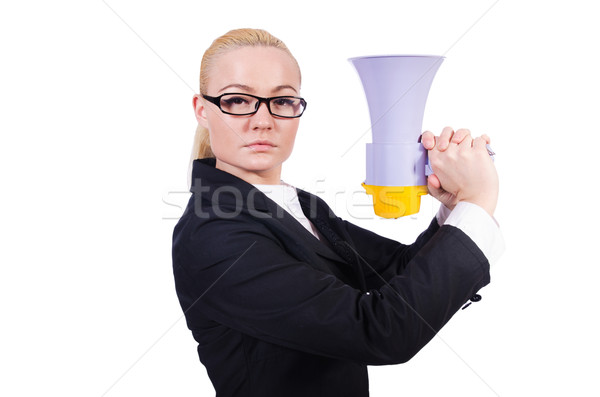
x=221 y=188
x=225 y=189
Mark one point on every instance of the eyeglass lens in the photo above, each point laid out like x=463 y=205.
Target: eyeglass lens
x=244 y=104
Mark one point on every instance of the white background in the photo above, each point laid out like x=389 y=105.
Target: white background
x=97 y=126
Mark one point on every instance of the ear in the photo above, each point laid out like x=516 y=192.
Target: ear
x=200 y=111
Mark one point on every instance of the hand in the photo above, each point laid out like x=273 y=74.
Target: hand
x=463 y=170
x=429 y=142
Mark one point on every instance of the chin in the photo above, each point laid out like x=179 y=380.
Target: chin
x=262 y=165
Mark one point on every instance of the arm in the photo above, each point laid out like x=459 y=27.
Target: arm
x=475 y=192
x=385 y=257
x=466 y=183
x=257 y=288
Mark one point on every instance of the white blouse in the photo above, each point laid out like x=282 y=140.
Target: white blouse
x=287 y=198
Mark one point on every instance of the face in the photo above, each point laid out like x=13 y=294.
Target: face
x=251 y=147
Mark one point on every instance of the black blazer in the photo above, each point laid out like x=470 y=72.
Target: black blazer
x=277 y=312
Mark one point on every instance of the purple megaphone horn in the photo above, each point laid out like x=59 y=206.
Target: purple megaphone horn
x=396 y=87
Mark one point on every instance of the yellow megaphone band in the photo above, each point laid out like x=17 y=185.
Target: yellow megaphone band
x=396 y=201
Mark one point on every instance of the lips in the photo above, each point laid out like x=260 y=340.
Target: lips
x=261 y=145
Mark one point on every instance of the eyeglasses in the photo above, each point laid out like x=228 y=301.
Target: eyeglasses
x=246 y=104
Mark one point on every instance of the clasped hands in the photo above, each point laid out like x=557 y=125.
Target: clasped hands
x=463 y=169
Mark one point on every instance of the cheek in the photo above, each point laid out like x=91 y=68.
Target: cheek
x=223 y=132
x=290 y=133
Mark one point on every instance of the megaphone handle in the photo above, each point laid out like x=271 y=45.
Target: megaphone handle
x=429 y=170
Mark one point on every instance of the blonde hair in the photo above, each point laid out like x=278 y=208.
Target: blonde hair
x=229 y=41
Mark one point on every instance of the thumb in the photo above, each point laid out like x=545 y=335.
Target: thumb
x=433 y=181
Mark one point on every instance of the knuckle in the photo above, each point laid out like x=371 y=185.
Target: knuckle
x=435 y=160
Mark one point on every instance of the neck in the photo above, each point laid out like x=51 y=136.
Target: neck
x=266 y=177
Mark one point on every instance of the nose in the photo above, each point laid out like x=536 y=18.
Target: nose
x=262 y=119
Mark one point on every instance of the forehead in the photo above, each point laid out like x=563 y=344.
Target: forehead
x=261 y=68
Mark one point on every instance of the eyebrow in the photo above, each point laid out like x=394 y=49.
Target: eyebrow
x=241 y=86
x=283 y=87
x=252 y=90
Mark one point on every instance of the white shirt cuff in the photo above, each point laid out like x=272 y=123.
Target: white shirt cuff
x=476 y=223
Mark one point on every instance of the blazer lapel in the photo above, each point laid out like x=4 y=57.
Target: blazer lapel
x=299 y=233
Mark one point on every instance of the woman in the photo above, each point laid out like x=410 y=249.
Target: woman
x=283 y=297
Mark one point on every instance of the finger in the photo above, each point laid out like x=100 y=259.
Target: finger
x=428 y=140
x=487 y=139
x=460 y=135
x=479 y=143
x=433 y=181
x=444 y=140
x=467 y=142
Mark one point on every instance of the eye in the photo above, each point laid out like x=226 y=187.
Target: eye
x=234 y=100
x=238 y=104
x=286 y=101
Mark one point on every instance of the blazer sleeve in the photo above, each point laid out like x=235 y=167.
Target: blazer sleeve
x=383 y=258
x=239 y=275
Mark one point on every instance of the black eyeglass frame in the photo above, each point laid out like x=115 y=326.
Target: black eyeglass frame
x=217 y=101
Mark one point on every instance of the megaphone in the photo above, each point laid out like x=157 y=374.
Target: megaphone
x=396 y=88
